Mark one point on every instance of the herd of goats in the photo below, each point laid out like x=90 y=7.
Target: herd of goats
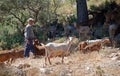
x=52 y=49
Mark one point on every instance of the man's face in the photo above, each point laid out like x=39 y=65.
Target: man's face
x=31 y=22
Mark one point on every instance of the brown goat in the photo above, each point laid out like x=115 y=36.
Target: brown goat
x=18 y=53
x=96 y=46
x=11 y=54
x=38 y=48
x=106 y=42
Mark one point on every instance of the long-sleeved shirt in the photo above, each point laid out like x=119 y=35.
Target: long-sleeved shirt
x=29 y=34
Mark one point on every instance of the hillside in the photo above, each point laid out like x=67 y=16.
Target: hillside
x=104 y=63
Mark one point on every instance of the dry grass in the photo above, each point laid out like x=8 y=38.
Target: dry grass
x=77 y=64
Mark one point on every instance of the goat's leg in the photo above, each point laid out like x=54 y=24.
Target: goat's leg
x=45 y=60
x=83 y=51
x=49 y=60
x=114 y=43
x=79 y=36
x=98 y=51
x=111 y=41
x=62 y=59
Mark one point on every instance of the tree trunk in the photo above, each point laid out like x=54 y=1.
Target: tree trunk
x=82 y=14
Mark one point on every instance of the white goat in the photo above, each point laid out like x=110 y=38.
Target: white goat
x=57 y=49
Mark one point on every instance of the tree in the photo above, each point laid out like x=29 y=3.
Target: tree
x=82 y=14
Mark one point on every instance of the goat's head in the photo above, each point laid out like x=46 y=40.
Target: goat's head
x=36 y=42
x=70 y=39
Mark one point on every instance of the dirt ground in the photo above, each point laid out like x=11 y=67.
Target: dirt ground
x=104 y=63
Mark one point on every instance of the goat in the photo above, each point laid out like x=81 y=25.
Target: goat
x=57 y=49
x=11 y=54
x=96 y=46
x=113 y=20
x=68 y=28
x=38 y=48
x=84 y=28
x=18 y=53
x=106 y=42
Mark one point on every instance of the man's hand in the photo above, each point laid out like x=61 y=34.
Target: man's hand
x=27 y=41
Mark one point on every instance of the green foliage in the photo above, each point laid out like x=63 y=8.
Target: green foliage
x=107 y=5
x=38 y=32
x=10 y=36
x=72 y=18
x=10 y=40
x=14 y=14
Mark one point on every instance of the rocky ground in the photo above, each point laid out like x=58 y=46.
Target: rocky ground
x=104 y=63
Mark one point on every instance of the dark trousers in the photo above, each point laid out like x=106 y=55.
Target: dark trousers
x=28 y=47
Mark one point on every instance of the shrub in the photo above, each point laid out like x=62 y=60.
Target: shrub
x=9 y=41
